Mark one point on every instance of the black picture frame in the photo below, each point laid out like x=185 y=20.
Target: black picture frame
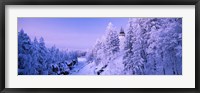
x=3 y=3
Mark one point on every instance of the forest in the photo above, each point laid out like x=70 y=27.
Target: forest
x=148 y=46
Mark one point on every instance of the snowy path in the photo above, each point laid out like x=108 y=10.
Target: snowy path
x=84 y=68
x=81 y=64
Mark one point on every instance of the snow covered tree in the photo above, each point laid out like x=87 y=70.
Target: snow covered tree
x=165 y=44
x=34 y=58
x=51 y=60
x=170 y=42
x=111 y=41
x=24 y=50
x=128 y=49
x=138 y=56
x=142 y=33
x=133 y=56
x=42 y=57
x=90 y=56
x=98 y=52
x=34 y=55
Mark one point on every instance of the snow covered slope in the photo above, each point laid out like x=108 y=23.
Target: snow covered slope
x=113 y=68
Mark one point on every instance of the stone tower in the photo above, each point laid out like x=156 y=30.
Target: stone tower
x=121 y=38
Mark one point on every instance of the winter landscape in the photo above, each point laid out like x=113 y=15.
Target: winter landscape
x=99 y=46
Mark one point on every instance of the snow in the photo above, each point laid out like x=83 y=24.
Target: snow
x=83 y=68
x=115 y=67
x=151 y=46
x=82 y=59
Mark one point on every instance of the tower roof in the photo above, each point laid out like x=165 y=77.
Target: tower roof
x=121 y=33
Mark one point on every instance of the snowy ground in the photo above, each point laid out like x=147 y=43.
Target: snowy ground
x=84 y=68
x=81 y=63
x=114 y=68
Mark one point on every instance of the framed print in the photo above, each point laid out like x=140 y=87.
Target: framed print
x=94 y=46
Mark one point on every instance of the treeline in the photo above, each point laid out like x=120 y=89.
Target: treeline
x=34 y=58
x=153 y=46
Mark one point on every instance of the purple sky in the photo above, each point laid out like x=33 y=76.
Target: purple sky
x=68 y=33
